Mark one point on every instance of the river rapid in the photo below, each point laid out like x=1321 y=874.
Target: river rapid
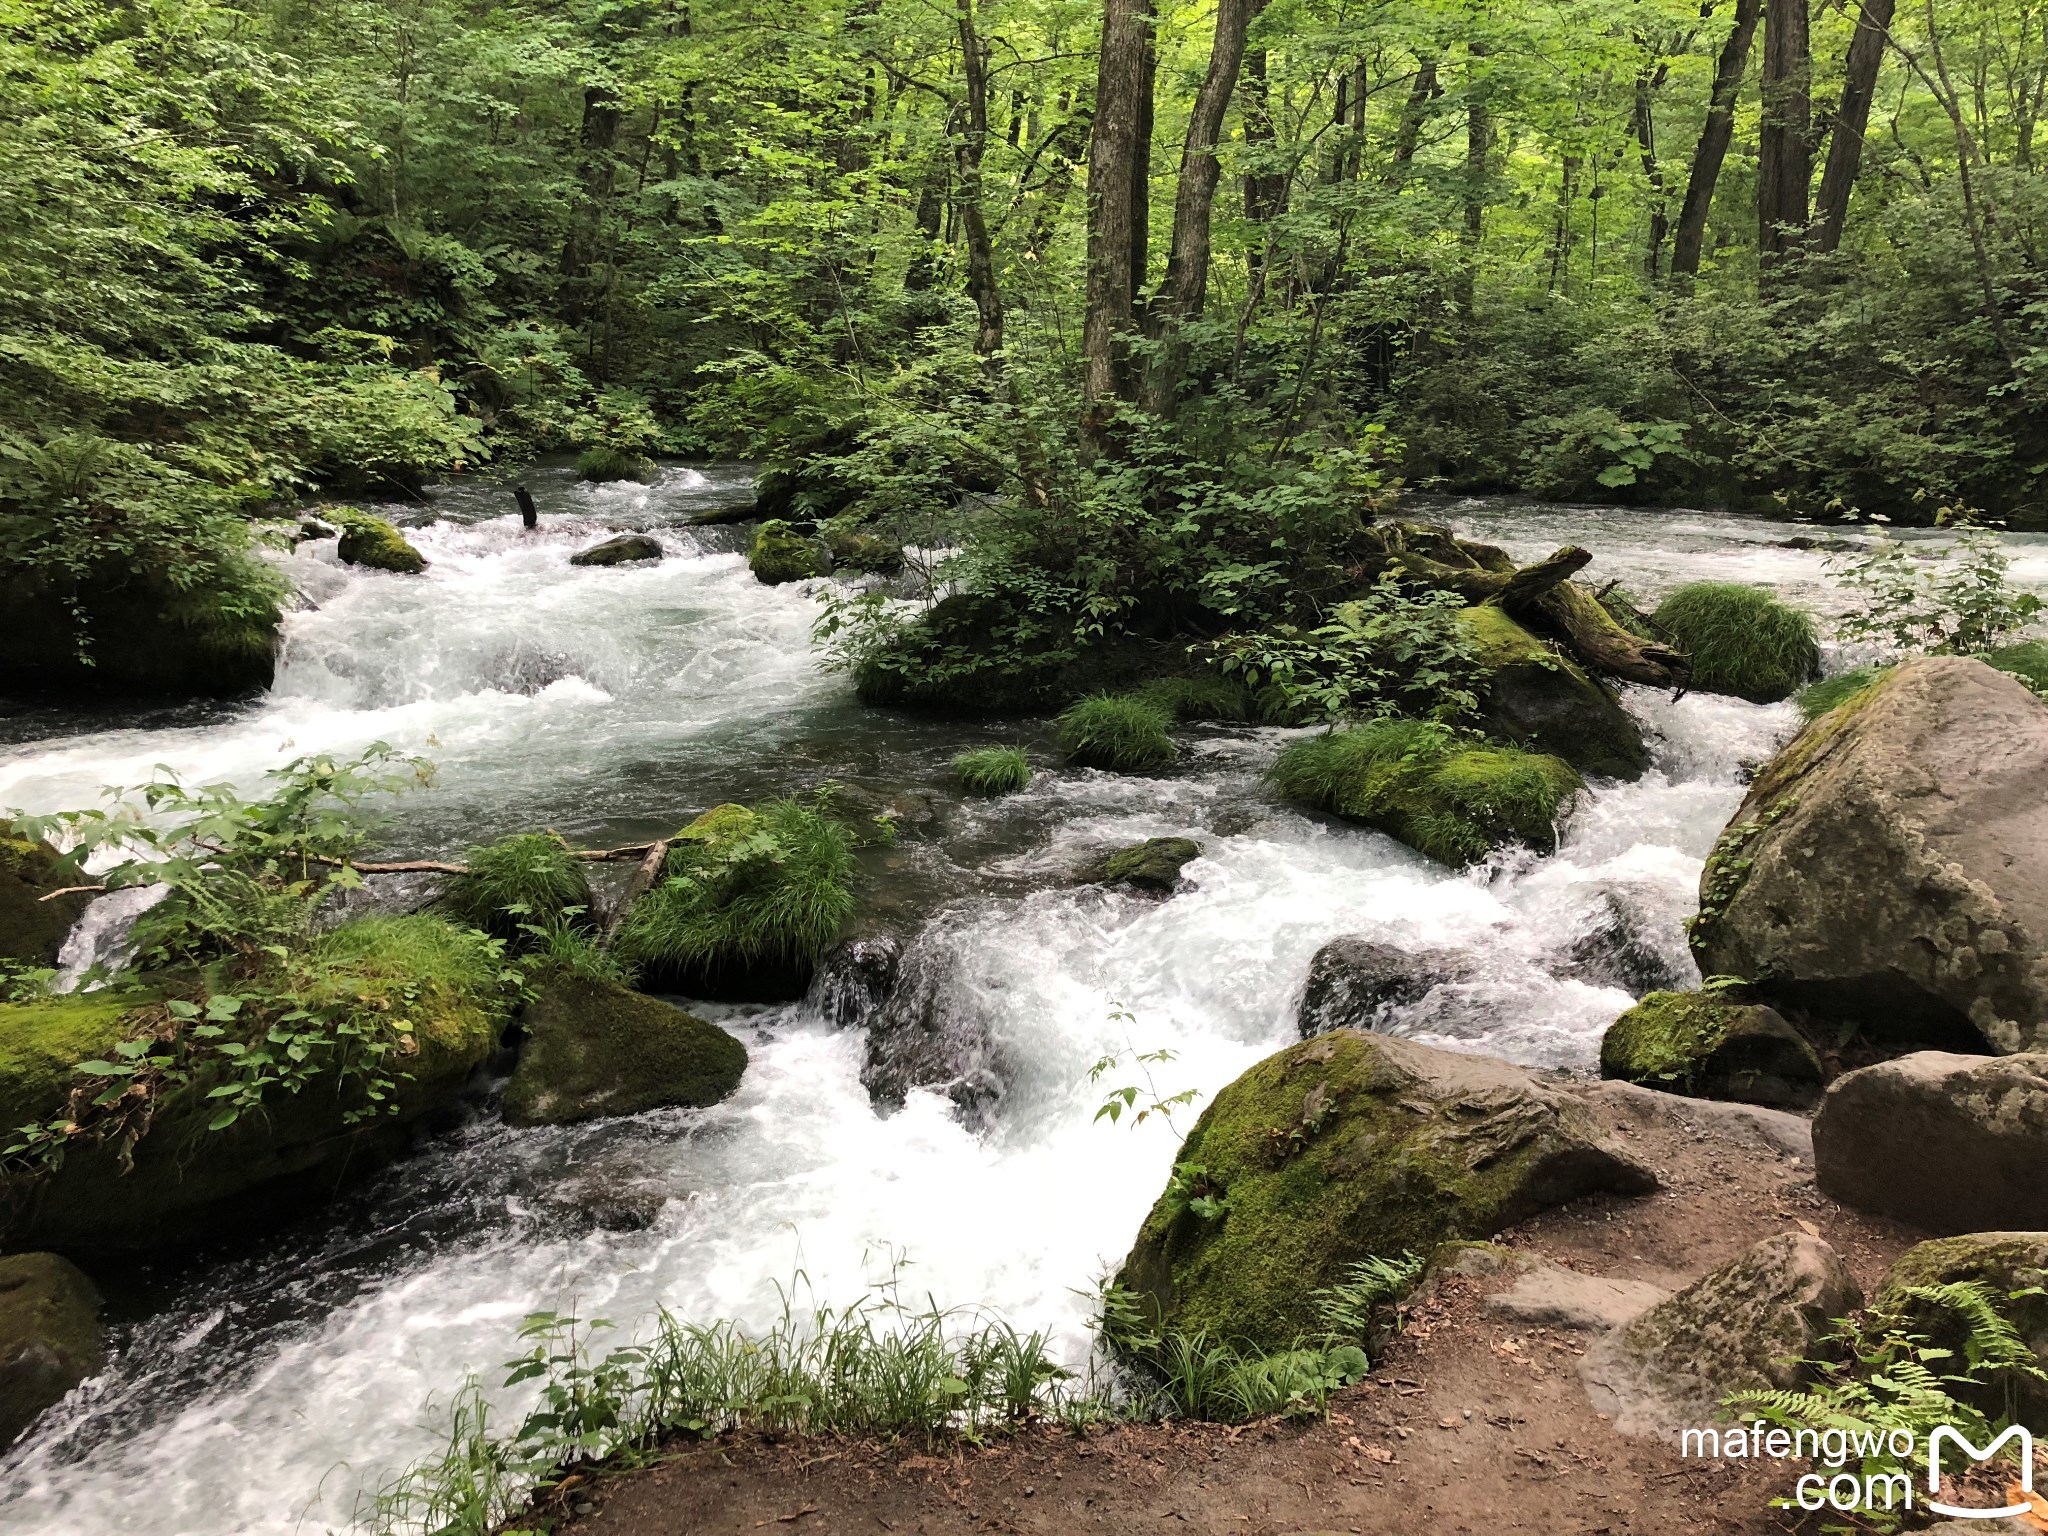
x=262 y=1386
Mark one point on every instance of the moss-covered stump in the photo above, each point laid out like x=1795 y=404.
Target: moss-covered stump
x=1709 y=1047
x=146 y=636
x=625 y=549
x=1537 y=697
x=1346 y=1147
x=31 y=929
x=747 y=901
x=50 y=1338
x=601 y=465
x=372 y=542
x=2005 y=1263
x=1450 y=798
x=188 y=1180
x=780 y=554
x=1741 y=640
x=1153 y=865
x=594 y=1050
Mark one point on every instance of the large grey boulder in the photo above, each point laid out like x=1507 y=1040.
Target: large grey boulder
x=1747 y=1326
x=1949 y=1143
x=1353 y=982
x=1889 y=868
x=50 y=1336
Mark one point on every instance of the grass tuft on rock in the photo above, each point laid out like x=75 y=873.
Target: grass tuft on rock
x=1816 y=699
x=1448 y=797
x=527 y=880
x=993 y=770
x=2027 y=661
x=1119 y=731
x=605 y=464
x=1741 y=640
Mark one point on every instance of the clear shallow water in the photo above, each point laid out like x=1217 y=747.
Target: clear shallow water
x=259 y=1390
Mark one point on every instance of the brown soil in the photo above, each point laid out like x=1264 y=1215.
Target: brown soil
x=1468 y=1424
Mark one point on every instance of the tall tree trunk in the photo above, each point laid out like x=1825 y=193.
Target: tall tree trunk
x=1712 y=148
x=1478 y=140
x=1409 y=135
x=1118 y=143
x=1852 y=118
x=1784 y=173
x=1647 y=82
x=967 y=150
x=1141 y=164
x=1186 y=286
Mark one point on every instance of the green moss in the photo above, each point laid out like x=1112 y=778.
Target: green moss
x=1741 y=640
x=855 y=550
x=748 y=900
x=32 y=930
x=1443 y=796
x=1539 y=698
x=370 y=541
x=781 y=554
x=1816 y=699
x=2027 y=661
x=42 y=1041
x=531 y=878
x=594 y=1050
x=603 y=464
x=1202 y=696
x=993 y=770
x=1666 y=1037
x=1118 y=731
x=1155 y=863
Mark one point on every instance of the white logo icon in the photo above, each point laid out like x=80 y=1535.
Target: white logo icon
x=1934 y=1470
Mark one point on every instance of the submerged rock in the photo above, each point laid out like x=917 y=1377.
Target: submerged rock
x=1949 y=1143
x=1345 y=1147
x=1889 y=869
x=372 y=542
x=780 y=554
x=32 y=930
x=1154 y=865
x=50 y=1338
x=625 y=549
x=1538 y=697
x=593 y=1050
x=1354 y=982
x=1709 y=1046
x=1750 y=1325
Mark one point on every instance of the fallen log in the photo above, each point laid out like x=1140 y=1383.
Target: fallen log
x=639 y=885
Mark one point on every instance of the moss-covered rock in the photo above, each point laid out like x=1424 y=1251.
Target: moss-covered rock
x=593 y=1050
x=2014 y=1267
x=31 y=929
x=144 y=635
x=1741 y=640
x=442 y=982
x=50 y=1338
x=372 y=542
x=1537 y=697
x=604 y=464
x=625 y=549
x=781 y=554
x=1830 y=693
x=1153 y=865
x=1711 y=1047
x=1450 y=798
x=1350 y=1146
x=852 y=549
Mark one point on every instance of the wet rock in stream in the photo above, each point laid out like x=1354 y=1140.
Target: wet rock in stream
x=854 y=980
x=1615 y=943
x=923 y=1038
x=1355 y=982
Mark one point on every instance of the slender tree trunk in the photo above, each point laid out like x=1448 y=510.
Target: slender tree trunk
x=1712 y=148
x=967 y=150
x=1647 y=82
x=1409 y=135
x=1186 y=286
x=1785 y=134
x=1852 y=118
x=597 y=171
x=1478 y=141
x=1116 y=145
x=1141 y=163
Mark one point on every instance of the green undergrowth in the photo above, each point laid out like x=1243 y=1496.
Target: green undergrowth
x=2027 y=661
x=993 y=770
x=1203 y=696
x=1449 y=796
x=1816 y=699
x=1741 y=640
x=1123 y=732
x=519 y=883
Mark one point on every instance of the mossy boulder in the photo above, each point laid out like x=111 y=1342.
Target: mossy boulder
x=1449 y=797
x=593 y=1050
x=1350 y=1146
x=187 y=1180
x=2010 y=1265
x=601 y=465
x=1741 y=640
x=1889 y=868
x=625 y=549
x=32 y=930
x=1709 y=1046
x=853 y=549
x=145 y=635
x=1538 y=697
x=370 y=541
x=781 y=554
x=50 y=1337
x=1153 y=865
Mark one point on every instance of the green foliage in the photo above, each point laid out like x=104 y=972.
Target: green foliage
x=993 y=770
x=1199 y=696
x=520 y=887
x=1741 y=640
x=608 y=464
x=1816 y=699
x=1960 y=603
x=2027 y=661
x=1453 y=798
x=1123 y=732
x=779 y=554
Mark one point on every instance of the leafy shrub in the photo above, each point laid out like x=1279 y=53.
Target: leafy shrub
x=992 y=770
x=1119 y=731
x=1960 y=604
x=1741 y=640
x=517 y=883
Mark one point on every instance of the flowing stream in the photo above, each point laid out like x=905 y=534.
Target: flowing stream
x=260 y=1387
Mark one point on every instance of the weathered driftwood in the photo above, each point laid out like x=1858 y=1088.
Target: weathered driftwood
x=639 y=885
x=642 y=851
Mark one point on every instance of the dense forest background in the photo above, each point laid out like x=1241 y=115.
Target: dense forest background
x=1750 y=252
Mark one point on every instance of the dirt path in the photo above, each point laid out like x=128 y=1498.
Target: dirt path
x=1471 y=1423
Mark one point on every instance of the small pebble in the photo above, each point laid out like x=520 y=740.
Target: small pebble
x=1029 y=1490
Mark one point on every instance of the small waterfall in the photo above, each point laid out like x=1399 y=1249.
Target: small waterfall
x=101 y=935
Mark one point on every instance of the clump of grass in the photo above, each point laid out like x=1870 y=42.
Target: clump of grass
x=1451 y=797
x=1816 y=699
x=603 y=464
x=1120 y=731
x=518 y=883
x=993 y=770
x=1203 y=697
x=2027 y=661
x=1741 y=640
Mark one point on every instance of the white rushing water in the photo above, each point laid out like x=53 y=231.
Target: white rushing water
x=266 y=1390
